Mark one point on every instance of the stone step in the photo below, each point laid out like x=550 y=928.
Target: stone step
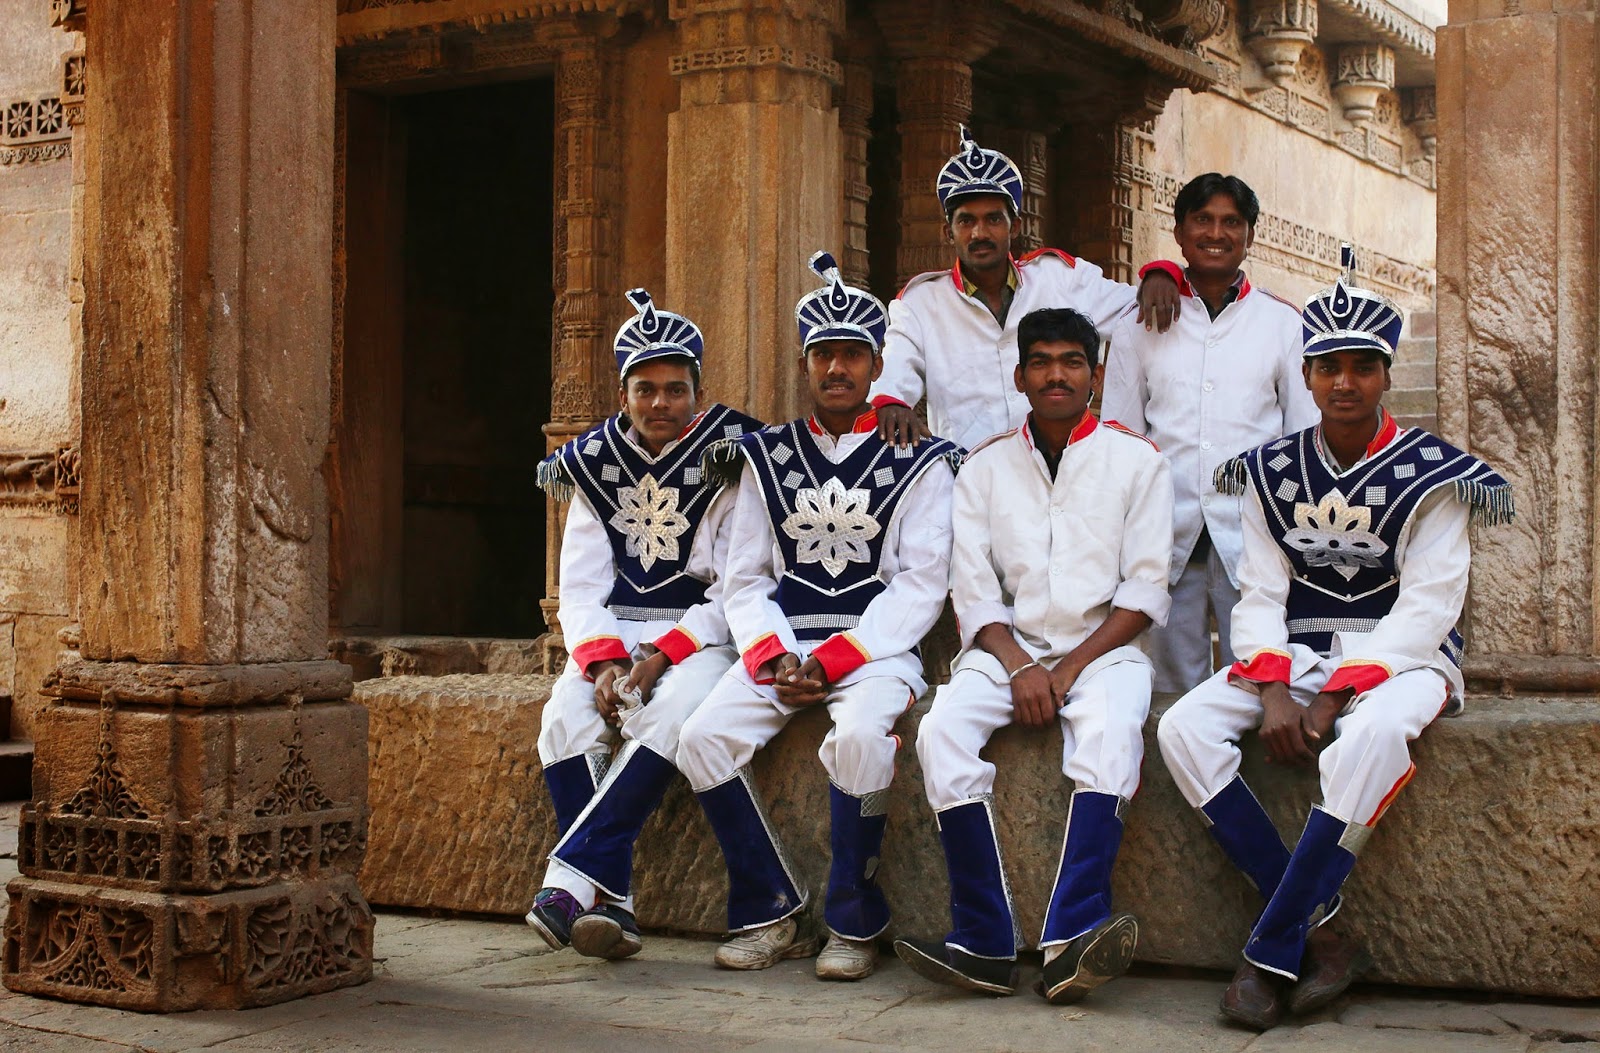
x=1480 y=876
x=1411 y=401
x=1425 y=421
x=1407 y=373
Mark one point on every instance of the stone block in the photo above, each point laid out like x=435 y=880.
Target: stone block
x=1480 y=876
x=196 y=801
x=33 y=562
x=37 y=648
x=140 y=950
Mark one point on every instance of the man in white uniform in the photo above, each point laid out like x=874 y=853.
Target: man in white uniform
x=953 y=334
x=838 y=566
x=1225 y=378
x=1063 y=534
x=1354 y=571
x=640 y=606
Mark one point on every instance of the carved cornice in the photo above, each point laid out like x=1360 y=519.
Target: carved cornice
x=47 y=480
x=1183 y=68
x=1389 y=24
x=366 y=20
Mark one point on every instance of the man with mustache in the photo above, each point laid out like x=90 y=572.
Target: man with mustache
x=1355 y=567
x=641 y=611
x=838 y=567
x=1225 y=378
x=1063 y=532
x=953 y=334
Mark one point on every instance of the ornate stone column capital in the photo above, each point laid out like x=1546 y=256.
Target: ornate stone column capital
x=1277 y=31
x=756 y=50
x=1419 y=109
x=1362 y=73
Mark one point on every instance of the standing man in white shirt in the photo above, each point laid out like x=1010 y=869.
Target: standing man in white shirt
x=646 y=536
x=1355 y=566
x=1062 y=537
x=953 y=334
x=1225 y=378
x=838 y=567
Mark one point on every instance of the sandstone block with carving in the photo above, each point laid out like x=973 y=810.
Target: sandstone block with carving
x=1478 y=877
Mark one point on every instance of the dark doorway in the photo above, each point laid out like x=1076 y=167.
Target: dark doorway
x=438 y=527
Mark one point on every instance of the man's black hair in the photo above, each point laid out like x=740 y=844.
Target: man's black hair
x=1050 y=324
x=1202 y=188
x=954 y=203
x=684 y=360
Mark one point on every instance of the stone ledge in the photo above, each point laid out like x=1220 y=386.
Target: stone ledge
x=171 y=684
x=1482 y=875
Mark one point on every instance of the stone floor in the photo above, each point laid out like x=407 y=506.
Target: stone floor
x=470 y=985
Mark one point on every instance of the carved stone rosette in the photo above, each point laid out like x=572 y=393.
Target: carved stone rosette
x=1363 y=73
x=1277 y=32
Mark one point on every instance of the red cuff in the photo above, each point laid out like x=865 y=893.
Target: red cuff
x=840 y=656
x=1266 y=667
x=758 y=654
x=1359 y=676
x=677 y=644
x=1170 y=269
x=598 y=649
x=880 y=401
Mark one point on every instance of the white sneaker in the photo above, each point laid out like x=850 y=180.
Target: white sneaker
x=847 y=959
x=767 y=946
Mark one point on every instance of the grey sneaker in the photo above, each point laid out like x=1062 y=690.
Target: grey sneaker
x=767 y=946
x=847 y=959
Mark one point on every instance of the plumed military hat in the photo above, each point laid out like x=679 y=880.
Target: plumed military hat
x=1347 y=318
x=652 y=334
x=838 y=311
x=974 y=170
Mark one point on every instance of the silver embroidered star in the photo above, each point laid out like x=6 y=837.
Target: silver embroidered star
x=831 y=526
x=1336 y=534
x=650 y=519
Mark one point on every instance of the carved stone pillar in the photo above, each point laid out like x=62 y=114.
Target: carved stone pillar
x=1518 y=304
x=1419 y=109
x=753 y=157
x=1363 y=72
x=582 y=367
x=199 y=809
x=1277 y=32
x=855 y=115
x=1029 y=147
x=934 y=97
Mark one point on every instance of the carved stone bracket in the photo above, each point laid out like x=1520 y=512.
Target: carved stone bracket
x=1277 y=32
x=47 y=479
x=69 y=14
x=1421 y=113
x=1364 y=72
x=1192 y=21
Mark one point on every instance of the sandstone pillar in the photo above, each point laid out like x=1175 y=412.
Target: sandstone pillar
x=855 y=116
x=199 y=805
x=753 y=162
x=1518 y=296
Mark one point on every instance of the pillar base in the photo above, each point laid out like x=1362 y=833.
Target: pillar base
x=165 y=953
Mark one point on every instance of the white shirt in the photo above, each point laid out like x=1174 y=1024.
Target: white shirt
x=915 y=566
x=1207 y=390
x=947 y=345
x=1051 y=558
x=1433 y=557
x=589 y=572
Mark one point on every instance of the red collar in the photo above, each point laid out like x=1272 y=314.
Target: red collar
x=692 y=425
x=1241 y=283
x=1088 y=424
x=868 y=421
x=1387 y=430
x=961 y=283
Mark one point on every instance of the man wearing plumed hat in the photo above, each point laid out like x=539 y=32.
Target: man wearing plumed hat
x=953 y=334
x=838 y=566
x=641 y=608
x=1354 y=571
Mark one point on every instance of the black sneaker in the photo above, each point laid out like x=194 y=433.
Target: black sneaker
x=947 y=965
x=1102 y=953
x=551 y=916
x=606 y=931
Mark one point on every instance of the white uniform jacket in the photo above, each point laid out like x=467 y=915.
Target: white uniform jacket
x=1207 y=390
x=1433 y=556
x=1050 y=559
x=588 y=572
x=915 y=566
x=946 y=345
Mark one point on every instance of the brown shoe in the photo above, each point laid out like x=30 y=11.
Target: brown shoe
x=1332 y=963
x=1255 y=998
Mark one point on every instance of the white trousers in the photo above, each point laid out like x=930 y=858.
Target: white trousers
x=1362 y=770
x=1101 y=729
x=1181 y=649
x=572 y=726
x=740 y=717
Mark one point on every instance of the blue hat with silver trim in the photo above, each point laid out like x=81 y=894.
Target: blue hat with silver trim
x=1347 y=318
x=654 y=334
x=838 y=311
x=974 y=170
